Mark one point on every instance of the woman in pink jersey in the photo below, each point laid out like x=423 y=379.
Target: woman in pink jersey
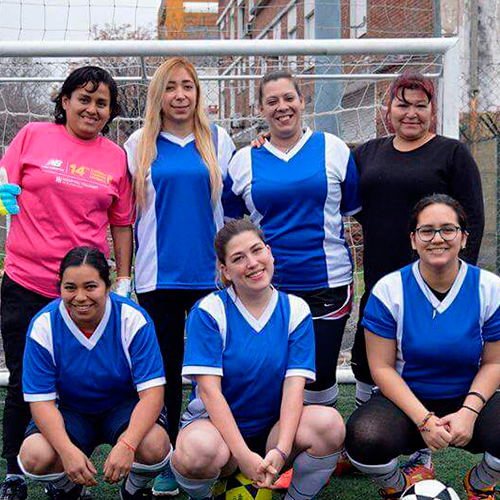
x=73 y=185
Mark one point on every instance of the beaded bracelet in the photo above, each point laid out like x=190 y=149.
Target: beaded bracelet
x=421 y=426
x=471 y=409
x=478 y=395
x=128 y=445
x=284 y=456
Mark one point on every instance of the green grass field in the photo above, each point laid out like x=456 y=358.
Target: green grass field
x=450 y=464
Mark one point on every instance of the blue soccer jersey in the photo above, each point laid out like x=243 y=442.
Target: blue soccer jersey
x=175 y=232
x=93 y=374
x=252 y=356
x=298 y=198
x=439 y=344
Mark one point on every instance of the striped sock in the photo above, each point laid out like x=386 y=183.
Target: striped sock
x=486 y=473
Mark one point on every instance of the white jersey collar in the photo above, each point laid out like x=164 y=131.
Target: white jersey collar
x=260 y=323
x=91 y=342
x=292 y=152
x=180 y=141
x=440 y=307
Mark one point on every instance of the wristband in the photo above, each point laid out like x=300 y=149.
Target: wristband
x=128 y=445
x=284 y=456
x=421 y=425
x=471 y=409
x=478 y=395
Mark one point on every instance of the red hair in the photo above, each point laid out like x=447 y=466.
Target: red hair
x=410 y=80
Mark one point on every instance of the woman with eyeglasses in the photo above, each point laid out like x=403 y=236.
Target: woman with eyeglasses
x=395 y=173
x=433 y=343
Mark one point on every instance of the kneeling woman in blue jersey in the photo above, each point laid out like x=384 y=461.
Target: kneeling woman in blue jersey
x=250 y=350
x=433 y=341
x=97 y=354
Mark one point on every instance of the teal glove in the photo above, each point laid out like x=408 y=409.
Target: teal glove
x=8 y=193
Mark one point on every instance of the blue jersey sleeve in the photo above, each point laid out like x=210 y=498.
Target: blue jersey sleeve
x=301 y=348
x=39 y=369
x=351 y=202
x=378 y=319
x=146 y=360
x=203 y=353
x=490 y=305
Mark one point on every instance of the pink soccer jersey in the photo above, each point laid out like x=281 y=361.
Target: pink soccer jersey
x=71 y=190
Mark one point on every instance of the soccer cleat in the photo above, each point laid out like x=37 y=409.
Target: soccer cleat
x=141 y=494
x=14 y=488
x=473 y=494
x=284 y=481
x=165 y=484
x=59 y=494
x=418 y=469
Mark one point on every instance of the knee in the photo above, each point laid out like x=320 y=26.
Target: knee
x=154 y=447
x=37 y=460
x=198 y=454
x=365 y=442
x=329 y=426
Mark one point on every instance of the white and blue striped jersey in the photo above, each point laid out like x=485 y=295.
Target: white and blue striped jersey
x=252 y=356
x=175 y=232
x=439 y=344
x=93 y=374
x=298 y=198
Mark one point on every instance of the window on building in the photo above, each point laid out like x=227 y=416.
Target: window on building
x=277 y=31
x=222 y=30
x=231 y=25
x=309 y=19
x=358 y=18
x=241 y=19
x=292 y=35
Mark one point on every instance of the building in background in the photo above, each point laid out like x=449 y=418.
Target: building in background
x=191 y=19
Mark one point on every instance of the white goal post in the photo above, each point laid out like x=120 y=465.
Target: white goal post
x=345 y=82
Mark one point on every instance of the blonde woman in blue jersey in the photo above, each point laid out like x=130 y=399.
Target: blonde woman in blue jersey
x=433 y=342
x=179 y=164
x=250 y=350
x=93 y=374
x=297 y=187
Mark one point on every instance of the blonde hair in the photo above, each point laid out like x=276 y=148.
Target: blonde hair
x=146 y=147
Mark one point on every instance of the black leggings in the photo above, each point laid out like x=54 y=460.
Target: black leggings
x=379 y=431
x=168 y=310
x=328 y=332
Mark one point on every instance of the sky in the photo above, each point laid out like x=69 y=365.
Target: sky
x=71 y=19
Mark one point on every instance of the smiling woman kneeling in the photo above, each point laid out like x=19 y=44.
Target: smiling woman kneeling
x=250 y=349
x=96 y=355
x=433 y=341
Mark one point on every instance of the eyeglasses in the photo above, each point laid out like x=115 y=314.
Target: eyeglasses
x=427 y=233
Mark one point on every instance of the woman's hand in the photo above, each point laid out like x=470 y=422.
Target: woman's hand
x=118 y=463
x=249 y=464
x=436 y=436
x=460 y=426
x=8 y=195
x=78 y=467
x=260 y=140
x=270 y=467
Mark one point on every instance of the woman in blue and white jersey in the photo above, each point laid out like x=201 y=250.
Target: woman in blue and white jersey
x=250 y=350
x=93 y=374
x=297 y=187
x=433 y=342
x=179 y=163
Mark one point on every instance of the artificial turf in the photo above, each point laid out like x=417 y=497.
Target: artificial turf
x=451 y=465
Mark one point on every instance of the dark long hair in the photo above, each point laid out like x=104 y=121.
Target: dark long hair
x=89 y=256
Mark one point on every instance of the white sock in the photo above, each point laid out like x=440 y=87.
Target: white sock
x=140 y=474
x=326 y=397
x=486 y=473
x=195 y=488
x=310 y=474
x=422 y=457
x=385 y=475
x=18 y=476
x=363 y=392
